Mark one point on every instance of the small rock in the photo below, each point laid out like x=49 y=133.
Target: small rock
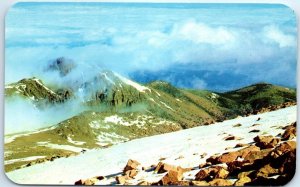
x=254 y=131
x=258 y=119
x=256 y=124
x=79 y=182
x=230 y=138
x=237 y=125
x=241 y=145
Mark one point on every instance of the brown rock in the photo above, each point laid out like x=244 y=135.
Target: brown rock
x=289 y=133
x=254 y=131
x=230 y=138
x=79 y=182
x=210 y=173
x=237 y=125
x=163 y=167
x=265 y=142
x=172 y=177
x=122 y=179
x=283 y=148
x=131 y=173
x=242 y=181
x=131 y=164
x=222 y=174
x=255 y=155
x=266 y=171
x=220 y=182
x=100 y=178
x=241 y=145
x=243 y=152
x=200 y=183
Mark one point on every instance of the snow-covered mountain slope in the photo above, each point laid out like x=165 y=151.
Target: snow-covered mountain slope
x=185 y=144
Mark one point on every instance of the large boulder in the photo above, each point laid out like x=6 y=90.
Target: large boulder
x=171 y=178
x=131 y=165
x=265 y=142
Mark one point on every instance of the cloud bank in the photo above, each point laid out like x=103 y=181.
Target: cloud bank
x=257 y=43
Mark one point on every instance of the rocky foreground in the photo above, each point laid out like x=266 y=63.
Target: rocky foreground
x=268 y=160
x=244 y=151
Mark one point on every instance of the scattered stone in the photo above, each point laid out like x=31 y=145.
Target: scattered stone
x=230 y=138
x=161 y=159
x=256 y=124
x=180 y=157
x=258 y=119
x=203 y=155
x=100 y=178
x=265 y=142
x=131 y=164
x=254 y=131
x=237 y=125
x=227 y=148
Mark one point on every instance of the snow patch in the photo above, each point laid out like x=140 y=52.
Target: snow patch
x=22 y=159
x=137 y=86
x=75 y=142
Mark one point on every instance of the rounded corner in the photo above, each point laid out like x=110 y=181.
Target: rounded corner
x=9 y=179
x=10 y=7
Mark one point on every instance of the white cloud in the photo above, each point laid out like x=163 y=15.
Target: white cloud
x=202 y=33
x=276 y=35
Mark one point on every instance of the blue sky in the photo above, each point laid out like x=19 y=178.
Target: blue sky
x=201 y=46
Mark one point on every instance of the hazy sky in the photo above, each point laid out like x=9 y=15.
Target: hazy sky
x=212 y=46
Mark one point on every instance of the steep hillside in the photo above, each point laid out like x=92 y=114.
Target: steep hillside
x=35 y=90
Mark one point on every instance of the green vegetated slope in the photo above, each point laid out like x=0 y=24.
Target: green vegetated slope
x=120 y=110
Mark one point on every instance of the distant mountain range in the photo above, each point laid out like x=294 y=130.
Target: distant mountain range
x=118 y=109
